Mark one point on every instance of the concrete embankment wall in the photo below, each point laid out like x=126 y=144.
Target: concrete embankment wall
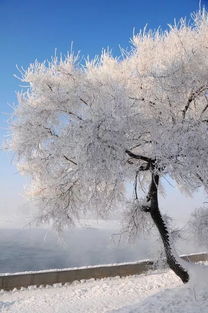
x=18 y=280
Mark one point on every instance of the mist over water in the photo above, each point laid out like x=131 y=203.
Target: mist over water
x=36 y=249
x=39 y=249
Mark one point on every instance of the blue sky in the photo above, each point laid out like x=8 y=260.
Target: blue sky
x=32 y=30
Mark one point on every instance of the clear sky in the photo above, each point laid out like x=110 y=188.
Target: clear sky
x=33 y=29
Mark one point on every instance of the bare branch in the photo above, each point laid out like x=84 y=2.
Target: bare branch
x=139 y=157
x=70 y=160
x=49 y=86
x=83 y=101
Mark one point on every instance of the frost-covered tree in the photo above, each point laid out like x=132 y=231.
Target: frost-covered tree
x=198 y=225
x=82 y=131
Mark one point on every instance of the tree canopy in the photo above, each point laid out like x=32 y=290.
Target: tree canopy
x=81 y=131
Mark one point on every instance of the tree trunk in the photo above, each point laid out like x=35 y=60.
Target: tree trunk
x=160 y=223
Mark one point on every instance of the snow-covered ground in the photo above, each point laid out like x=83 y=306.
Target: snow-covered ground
x=99 y=296
x=155 y=292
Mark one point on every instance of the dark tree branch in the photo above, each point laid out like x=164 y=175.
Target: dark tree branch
x=70 y=112
x=49 y=86
x=191 y=98
x=70 y=160
x=200 y=178
x=206 y=106
x=135 y=184
x=145 y=208
x=83 y=101
x=139 y=157
x=77 y=116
